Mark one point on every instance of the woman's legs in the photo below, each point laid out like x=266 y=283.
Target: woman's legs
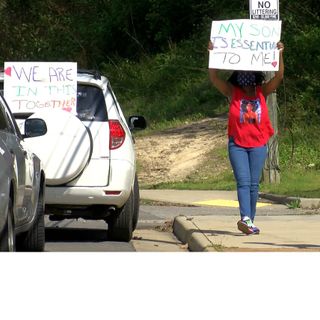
x=247 y=164
x=239 y=160
x=257 y=157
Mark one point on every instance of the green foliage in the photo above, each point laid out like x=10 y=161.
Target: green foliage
x=294 y=204
x=52 y=31
x=300 y=148
x=301 y=34
x=168 y=85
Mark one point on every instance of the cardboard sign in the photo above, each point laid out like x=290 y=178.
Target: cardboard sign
x=34 y=86
x=264 y=9
x=245 y=45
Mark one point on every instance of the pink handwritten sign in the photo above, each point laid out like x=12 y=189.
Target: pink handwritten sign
x=34 y=86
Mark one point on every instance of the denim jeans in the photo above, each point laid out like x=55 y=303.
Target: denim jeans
x=247 y=165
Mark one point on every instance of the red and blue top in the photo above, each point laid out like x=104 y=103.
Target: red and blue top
x=249 y=123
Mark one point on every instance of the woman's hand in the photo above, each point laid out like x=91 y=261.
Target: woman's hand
x=280 y=46
x=210 y=45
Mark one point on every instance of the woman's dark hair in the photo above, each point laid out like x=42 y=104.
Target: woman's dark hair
x=259 y=77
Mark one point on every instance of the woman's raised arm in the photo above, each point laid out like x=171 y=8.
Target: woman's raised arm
x=274 y=83
x=223 y=86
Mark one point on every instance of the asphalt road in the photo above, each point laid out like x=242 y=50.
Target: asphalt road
x=153 y=232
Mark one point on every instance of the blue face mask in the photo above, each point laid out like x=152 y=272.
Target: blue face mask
x=246 y=79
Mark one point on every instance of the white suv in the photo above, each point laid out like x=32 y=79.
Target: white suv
x=89 y=159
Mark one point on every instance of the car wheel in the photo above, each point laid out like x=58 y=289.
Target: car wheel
x=136 y=203
x=120 y=224
x=34 y=239
x=8 y=237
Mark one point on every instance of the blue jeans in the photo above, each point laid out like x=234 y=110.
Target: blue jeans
x=247 y=165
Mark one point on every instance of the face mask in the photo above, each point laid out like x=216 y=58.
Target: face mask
x=245 y=79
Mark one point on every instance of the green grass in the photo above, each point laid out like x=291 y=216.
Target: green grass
x=293 y=183
x=296 y=183
x=224 y=182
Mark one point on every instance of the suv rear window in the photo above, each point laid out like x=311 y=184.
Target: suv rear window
x=91 y=104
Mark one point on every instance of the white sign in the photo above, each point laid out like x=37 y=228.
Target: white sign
x=264 y=9
x=245 y=45
x=34 y=86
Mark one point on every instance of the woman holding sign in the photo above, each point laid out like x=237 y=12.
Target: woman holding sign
x=249 y=129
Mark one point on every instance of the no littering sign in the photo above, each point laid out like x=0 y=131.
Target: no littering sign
x=264 y=9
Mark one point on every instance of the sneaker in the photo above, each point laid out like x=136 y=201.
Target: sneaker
x=246 y=226
x=255 y=229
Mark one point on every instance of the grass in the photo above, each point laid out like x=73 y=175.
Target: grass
x=299 y=150
x=293 y=183
x=296 y=183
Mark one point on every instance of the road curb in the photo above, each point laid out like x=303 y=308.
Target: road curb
x=183 y=228
x=188 y=233
x=304 y=203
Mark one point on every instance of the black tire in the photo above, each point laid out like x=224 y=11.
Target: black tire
x=136 y=203
x=120 y=224
x=34 y=238
x=8 y=237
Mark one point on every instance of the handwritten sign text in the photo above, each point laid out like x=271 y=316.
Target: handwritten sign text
x=245 y=45
x=33 y=86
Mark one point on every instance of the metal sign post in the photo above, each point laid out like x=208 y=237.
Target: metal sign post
x=269 y=10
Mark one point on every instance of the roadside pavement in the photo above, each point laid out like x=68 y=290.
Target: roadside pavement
x=299 y=231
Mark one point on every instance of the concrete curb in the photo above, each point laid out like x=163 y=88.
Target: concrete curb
x=188 y=233
x=304 y=203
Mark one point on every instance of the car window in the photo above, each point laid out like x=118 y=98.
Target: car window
x=111 y=99
x=91 y=104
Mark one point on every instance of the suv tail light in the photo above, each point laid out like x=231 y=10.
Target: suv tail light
x=117 y=134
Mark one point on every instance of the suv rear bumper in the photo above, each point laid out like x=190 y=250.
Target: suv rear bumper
x=85 y=196
x=116 y=193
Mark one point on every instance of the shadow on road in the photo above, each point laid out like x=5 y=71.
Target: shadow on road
x=75 y=235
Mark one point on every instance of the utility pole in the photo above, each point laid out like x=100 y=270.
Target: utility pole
x=271 y=172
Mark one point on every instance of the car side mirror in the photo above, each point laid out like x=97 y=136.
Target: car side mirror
x=34 y=127
x=137 y=123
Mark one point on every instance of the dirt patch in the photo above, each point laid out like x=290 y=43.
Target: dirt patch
x=171 y=155
x=167 y=226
